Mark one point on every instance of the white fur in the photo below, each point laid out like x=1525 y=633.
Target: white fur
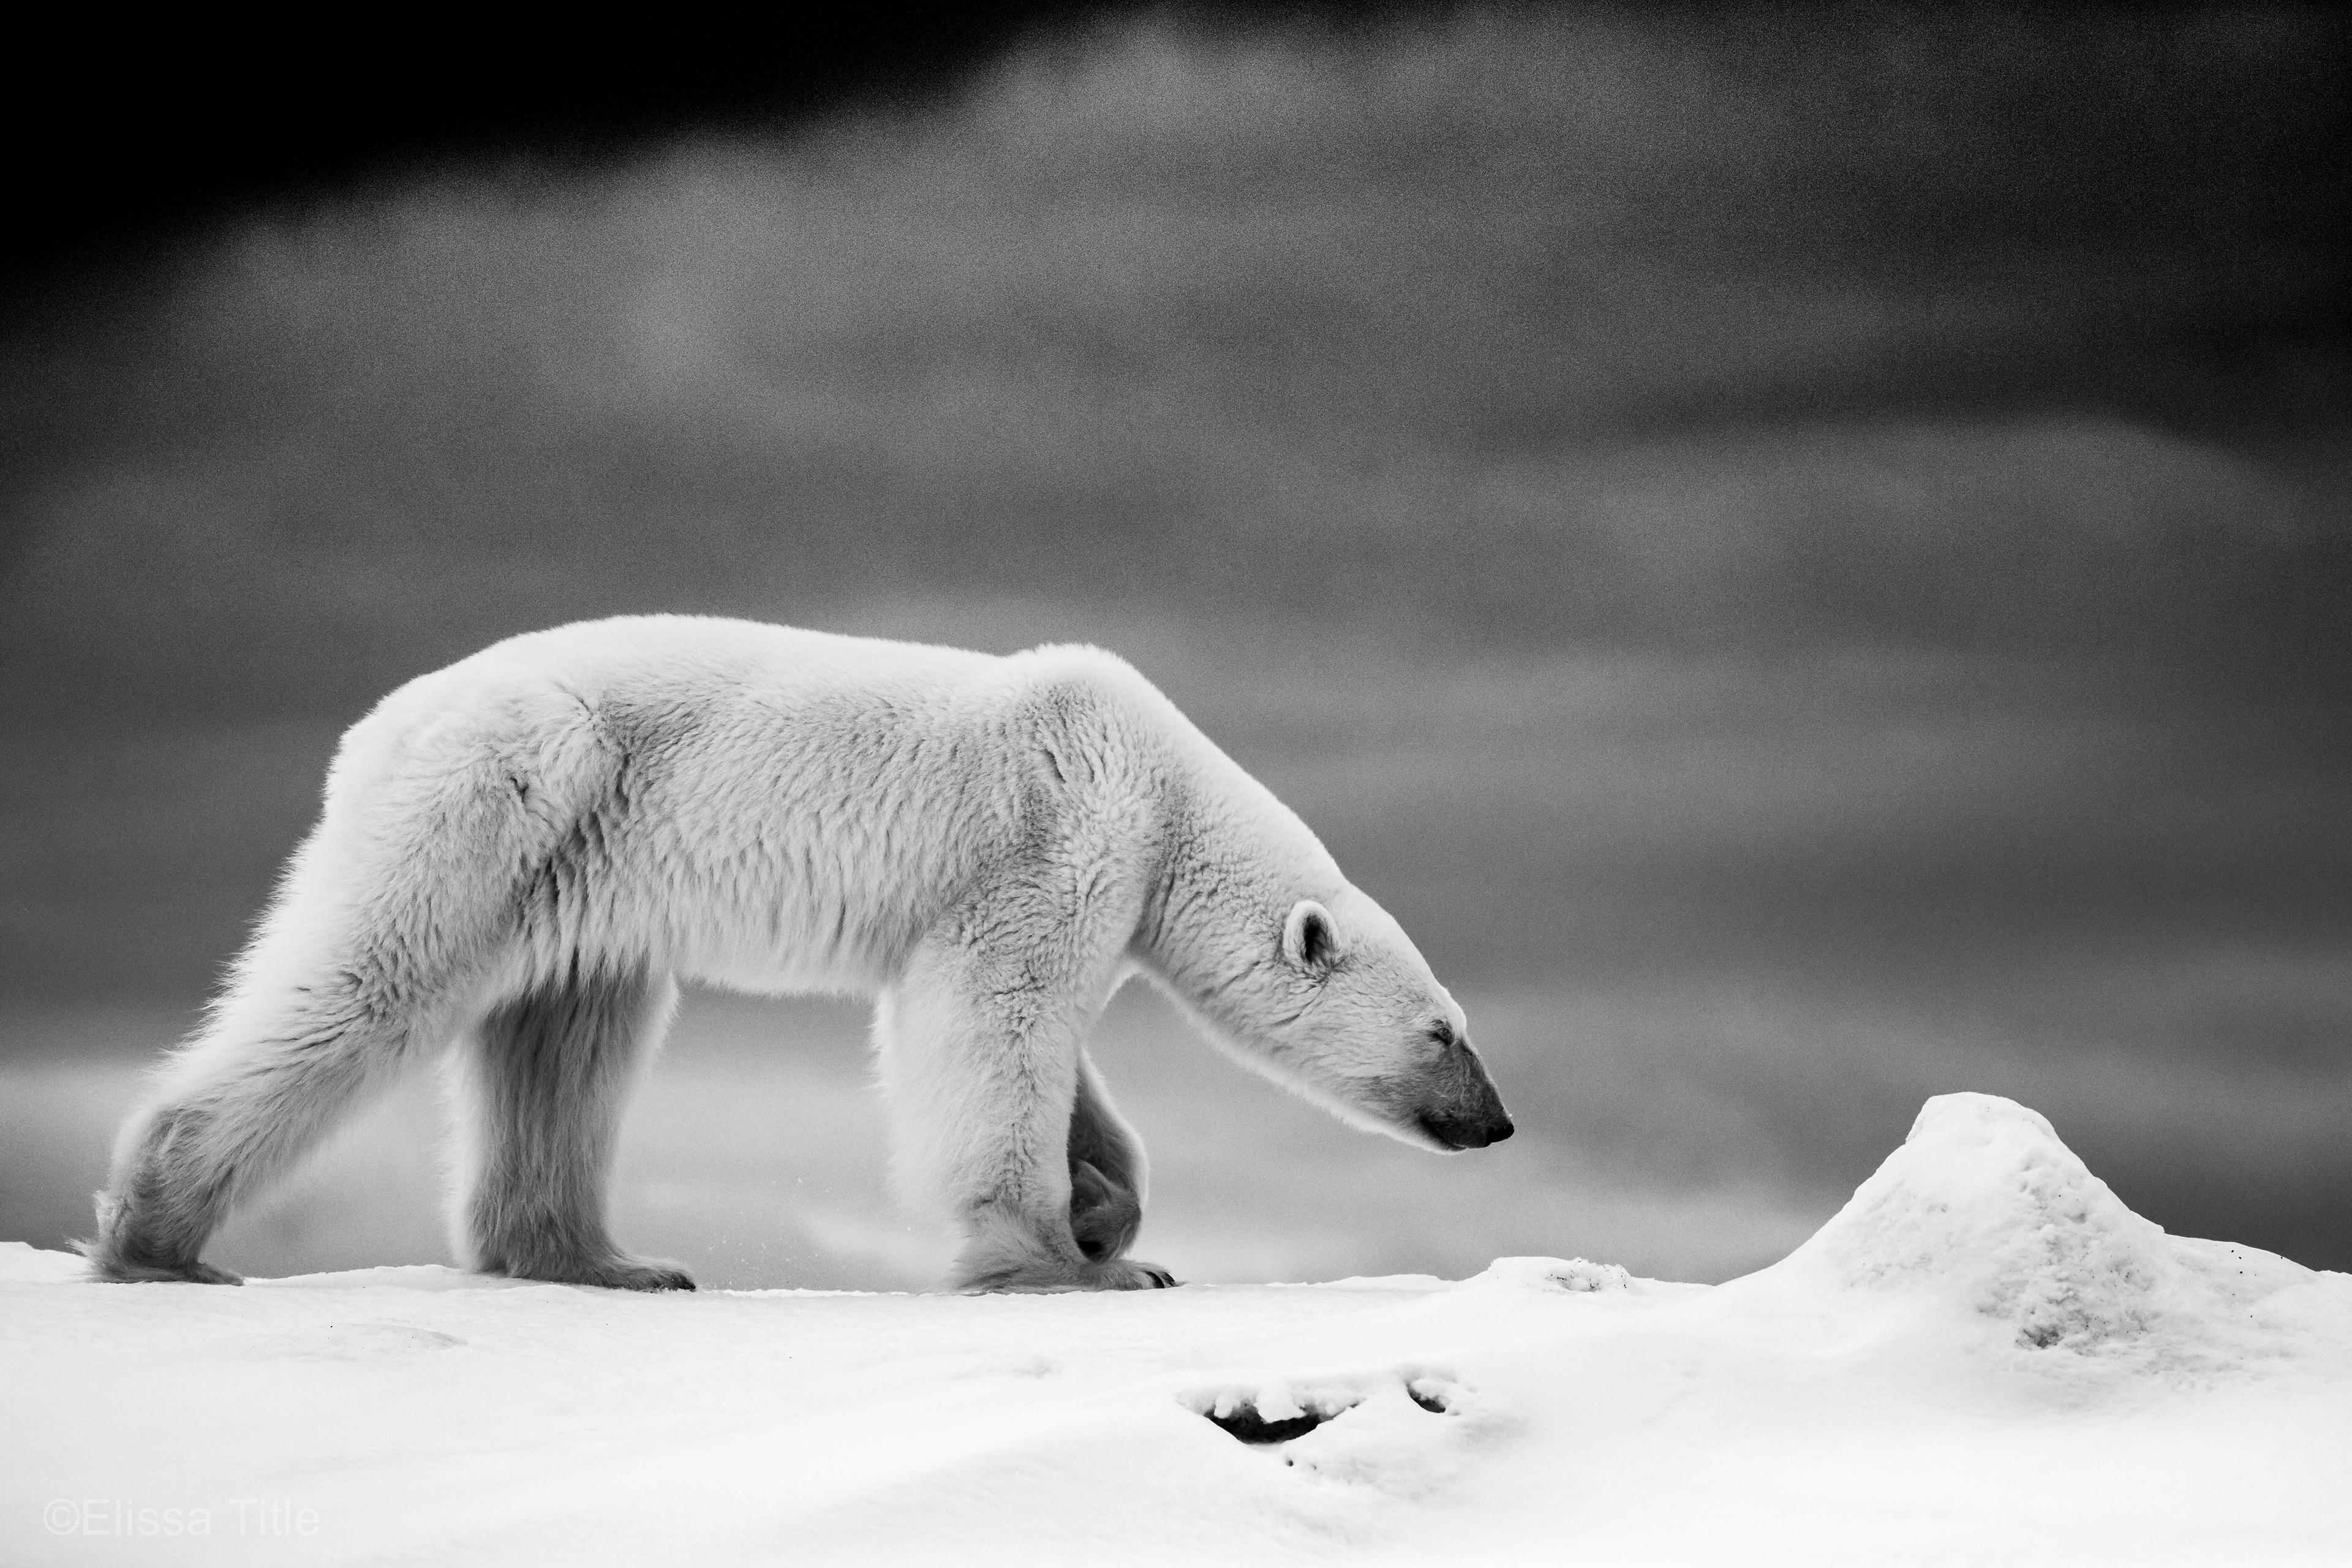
x=986 y=846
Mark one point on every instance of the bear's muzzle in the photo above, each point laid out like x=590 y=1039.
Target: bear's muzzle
x=1454 y=1131
x=1459 y=1108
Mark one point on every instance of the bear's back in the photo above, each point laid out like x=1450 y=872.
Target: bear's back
x=808 y=801
x=670 y=658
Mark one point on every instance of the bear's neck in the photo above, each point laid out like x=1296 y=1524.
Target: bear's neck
x=1234 y=861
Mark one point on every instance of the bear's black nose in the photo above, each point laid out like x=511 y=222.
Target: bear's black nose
x=1454 y=1131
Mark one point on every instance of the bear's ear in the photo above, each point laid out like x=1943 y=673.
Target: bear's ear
x=1309 y=941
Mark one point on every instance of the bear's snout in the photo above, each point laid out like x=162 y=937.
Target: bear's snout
x=1456 y=1132
x=1462 y=1109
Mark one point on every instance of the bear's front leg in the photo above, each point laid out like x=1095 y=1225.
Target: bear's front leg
x=980 y=1064
x=1107 y=1170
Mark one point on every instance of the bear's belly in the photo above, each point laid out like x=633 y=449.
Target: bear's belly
x=794 y=941
x=772 y=974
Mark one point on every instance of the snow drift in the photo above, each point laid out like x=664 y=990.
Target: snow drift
x=1984 y=1355
x=1983 y=1207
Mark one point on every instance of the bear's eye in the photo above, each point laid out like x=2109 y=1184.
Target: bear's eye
x=1442 y=1032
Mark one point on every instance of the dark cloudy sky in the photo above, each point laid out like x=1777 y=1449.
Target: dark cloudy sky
x=1741 y=325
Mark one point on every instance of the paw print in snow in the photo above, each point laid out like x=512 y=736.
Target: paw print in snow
x=1403 y=1433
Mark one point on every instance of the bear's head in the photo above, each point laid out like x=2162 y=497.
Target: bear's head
x=1338 y=1005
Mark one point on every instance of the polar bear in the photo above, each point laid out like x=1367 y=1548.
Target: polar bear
x=525 y=852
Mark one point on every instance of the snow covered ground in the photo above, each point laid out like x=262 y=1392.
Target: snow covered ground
x=1984 y=1357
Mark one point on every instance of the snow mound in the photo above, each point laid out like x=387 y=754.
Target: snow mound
x=1984 y=1206
x=1572 y=1274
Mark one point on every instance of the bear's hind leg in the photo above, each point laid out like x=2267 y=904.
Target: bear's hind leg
x=277 y=1066
x=540 y=1090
